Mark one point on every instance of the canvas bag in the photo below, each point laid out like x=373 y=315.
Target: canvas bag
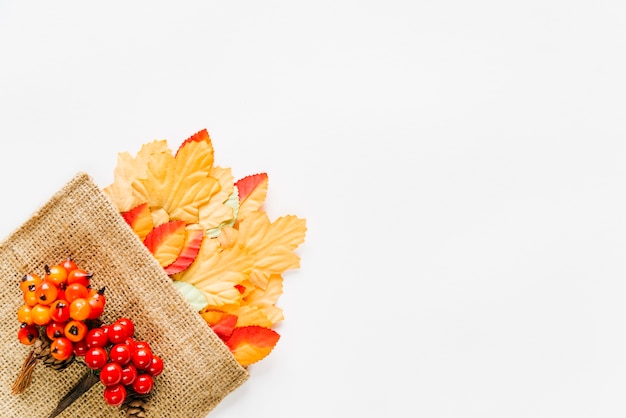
x=80 y=221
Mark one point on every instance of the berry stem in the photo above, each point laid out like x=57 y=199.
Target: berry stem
x=83 y=385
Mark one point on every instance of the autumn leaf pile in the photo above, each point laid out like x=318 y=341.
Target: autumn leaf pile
x=212 y=237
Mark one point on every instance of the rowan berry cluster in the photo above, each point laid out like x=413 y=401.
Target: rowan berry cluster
x=62 y=304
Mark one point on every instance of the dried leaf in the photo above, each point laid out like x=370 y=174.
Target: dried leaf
x=140 y=220
x=271 y=244
x=189 y=250
x=222 y=323
x=265 y=299
x=252 y=193
x=180 y=184
x=166 y=241
x=128 y=170
x=220 y=210
x=216 y=271
x=251 y=344
x=248 y=315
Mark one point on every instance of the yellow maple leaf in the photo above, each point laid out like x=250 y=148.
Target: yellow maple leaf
x=248 y=315
x=215 y=212
x=216 y=271
x=127 y=170
x=179 y=184
x=271 y=245
x=266 y=299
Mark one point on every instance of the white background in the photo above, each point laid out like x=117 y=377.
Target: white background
x=461 y=166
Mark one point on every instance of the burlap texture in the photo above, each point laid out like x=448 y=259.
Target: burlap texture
x=81 y=222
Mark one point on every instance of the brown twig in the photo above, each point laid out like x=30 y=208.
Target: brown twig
x=83 y=385
x=25 y=377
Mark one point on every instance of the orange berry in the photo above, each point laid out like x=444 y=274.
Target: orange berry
x=80 y=309
x=29 y=297
x=61 y=348
x=56 y=274
x=75 y=330
x=24 y=315
x=40 y=314
x=29 y=281
x=46 y=292
x=96 y=300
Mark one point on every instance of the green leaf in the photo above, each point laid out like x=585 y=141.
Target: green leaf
x=194 y=296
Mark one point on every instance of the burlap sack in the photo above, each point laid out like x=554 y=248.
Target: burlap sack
x=81 y=222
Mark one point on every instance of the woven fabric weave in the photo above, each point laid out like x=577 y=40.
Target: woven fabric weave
x=80 y=221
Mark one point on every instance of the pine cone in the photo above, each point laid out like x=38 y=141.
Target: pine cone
x=136 y=405
x=41 y=349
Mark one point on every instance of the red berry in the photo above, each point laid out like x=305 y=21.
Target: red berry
x=28 y=334
x=96 y=358
x=55 y=330
x=129 y=374
x=141 y=344
x=80 y=348
x=60 y=310
x=69 y=265
x=74 y=291
x=143 y=384
x=120 y=353
x=115 y=395
x=96 y=337
x=111 y=374
x=96 y=301
x=118 y=333
x=129 y=324
x=142 y=358
x=156 y=366
x=79 y=276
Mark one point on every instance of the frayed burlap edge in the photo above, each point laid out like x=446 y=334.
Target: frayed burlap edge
x=80 y=221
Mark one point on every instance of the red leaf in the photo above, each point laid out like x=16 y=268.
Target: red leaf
x=140 y=220
x=224 y=328
x=165 y=241
x=251 y=344
x=246 y=185
x=191 y=247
